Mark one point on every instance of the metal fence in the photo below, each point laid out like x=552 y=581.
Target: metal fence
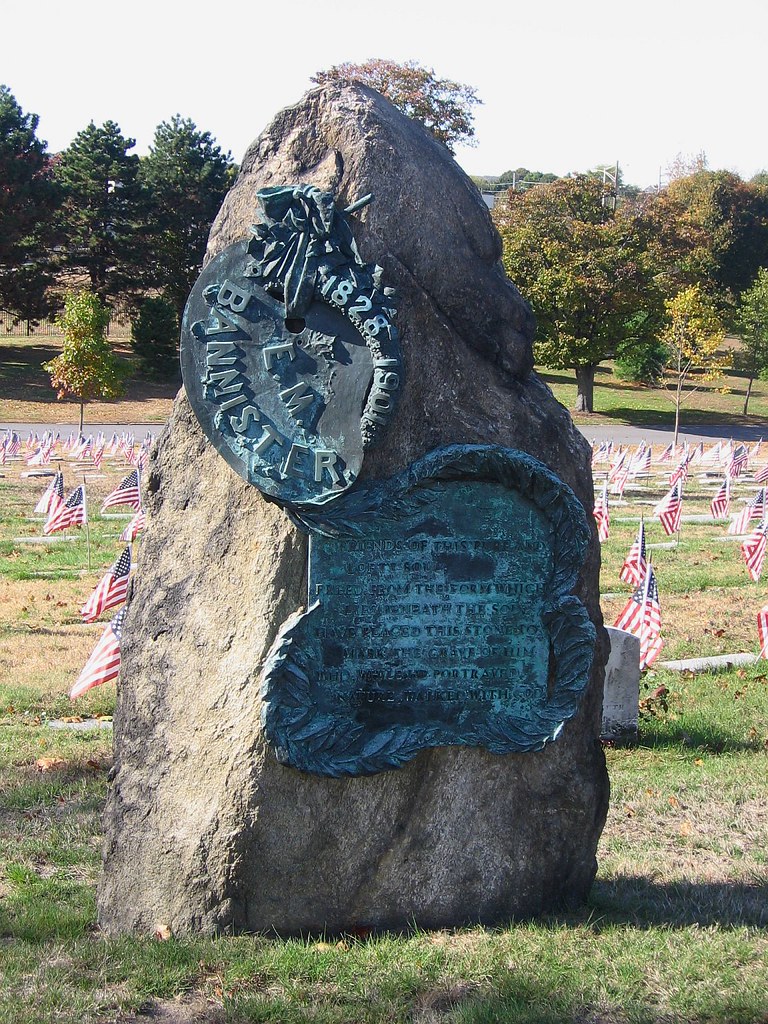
x=10 y=327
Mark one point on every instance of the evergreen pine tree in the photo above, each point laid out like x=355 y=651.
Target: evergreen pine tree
x=102 y=210
x=185 y=177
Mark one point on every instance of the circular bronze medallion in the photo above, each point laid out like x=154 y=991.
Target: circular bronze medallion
x=282 y=399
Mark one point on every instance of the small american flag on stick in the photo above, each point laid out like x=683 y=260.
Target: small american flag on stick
x=71 y=513
x=753 y=551
x=641 y=616
x=601 y=513
x=635 y=564
x=670 y=509
x=111 y=589
x=52 y=497
x=126 y=493
x=721 y=501
x=762 y=630
x=104 y=662
x=134 y=527
x=754 y=509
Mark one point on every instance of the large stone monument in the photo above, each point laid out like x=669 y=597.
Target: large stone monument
x=363 y=658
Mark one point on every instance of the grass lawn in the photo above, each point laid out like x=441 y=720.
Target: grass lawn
x=676 y=928
x=26 y=395
x=618 y=401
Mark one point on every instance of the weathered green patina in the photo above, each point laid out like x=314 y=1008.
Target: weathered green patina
x=440 y=613
x=289 y=353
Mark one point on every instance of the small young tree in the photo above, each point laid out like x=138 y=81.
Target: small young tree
x=154 y=337
x=693 y=334
x=752 y=320
x=87 y=368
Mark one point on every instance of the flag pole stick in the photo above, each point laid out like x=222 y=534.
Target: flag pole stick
x=87 y=524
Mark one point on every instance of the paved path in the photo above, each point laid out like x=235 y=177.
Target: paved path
x=620 y=433
x=139 y=430
x=624 y=434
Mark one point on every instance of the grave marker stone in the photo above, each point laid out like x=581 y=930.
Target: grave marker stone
x=213 y=821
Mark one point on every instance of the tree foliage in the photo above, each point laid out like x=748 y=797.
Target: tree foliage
x=752 y=321
x=102 y=211
x=185 y=177
x=733 y=218
x=444 y=107
x=588 y=270
x=87 y=368
x=28 y=198
x=693 y=334
x=155 y=336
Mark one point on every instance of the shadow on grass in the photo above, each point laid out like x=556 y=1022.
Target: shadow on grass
x=23 y=379
x=697 y=421
x=707 y=738
x=643 y=903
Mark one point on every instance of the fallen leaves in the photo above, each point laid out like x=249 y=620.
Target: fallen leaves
x=50 y=764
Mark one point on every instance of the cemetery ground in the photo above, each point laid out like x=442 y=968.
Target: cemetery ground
x=676 y=927
x=26 y=395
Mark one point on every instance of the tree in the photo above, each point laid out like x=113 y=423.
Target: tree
x=444 y=107
x=752 y=319
x=733 y=218
x=28 y=198
x=185 y=177
x=102 y=209
x=155 y=336
x=87 y=368
x=588 y=270
x=693 y=334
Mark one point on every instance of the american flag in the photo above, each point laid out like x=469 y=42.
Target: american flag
x=641 y=460
x=761 y=476
x=754 y=509
x=98 y=455
x=134 y=528
x=697 y=454
x=14 y=445
x=641 y=616
x=619 y=475
x=680 y=473
x=104 y=662
x=670 y=508
x=602 y=454
x=111 y=590
x=762 y=630
x=601 y=514
x=42 y=456
x=635 y=565
x=756 y=449
x=721 y=501
x=737 y=462
x=71 y=513
x=713 y=455
x=126 y=493
x=616 y=460
x=753 y=551
x=53 y=496
x=84 y=449
x=666 y=455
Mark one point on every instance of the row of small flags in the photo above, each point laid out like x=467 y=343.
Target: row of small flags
x=104 y=663
x=40 y=450
x=62 y=514
x=641 y=615
x=734 y=457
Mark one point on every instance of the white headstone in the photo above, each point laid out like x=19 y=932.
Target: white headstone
x=621 y=694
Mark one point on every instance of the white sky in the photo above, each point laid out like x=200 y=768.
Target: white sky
x=565 y=85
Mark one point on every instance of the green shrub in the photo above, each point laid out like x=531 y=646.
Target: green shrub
x=642 y=363
x=155 y=336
